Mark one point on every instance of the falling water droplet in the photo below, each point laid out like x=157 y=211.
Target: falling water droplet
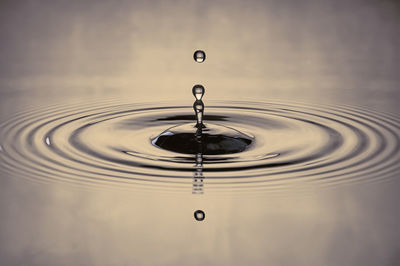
x=199 y=215
x=198 y=107
x=198 y=91
x=199 y=56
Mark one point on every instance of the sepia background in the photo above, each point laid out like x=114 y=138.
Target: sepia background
x=317 y=51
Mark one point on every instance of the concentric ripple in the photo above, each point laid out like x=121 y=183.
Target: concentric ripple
x=110 y=143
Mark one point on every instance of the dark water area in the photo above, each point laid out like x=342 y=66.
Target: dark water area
x=298 y=162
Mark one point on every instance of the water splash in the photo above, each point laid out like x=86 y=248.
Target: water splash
x=206 y=139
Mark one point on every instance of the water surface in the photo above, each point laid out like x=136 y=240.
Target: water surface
x=84 y=87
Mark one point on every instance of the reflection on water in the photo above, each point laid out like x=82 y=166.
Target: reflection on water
x=81 y=182
x=198 y=187
x=199 y=215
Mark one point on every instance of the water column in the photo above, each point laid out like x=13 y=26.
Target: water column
x=198 y=107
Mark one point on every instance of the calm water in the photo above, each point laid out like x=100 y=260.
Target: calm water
x=86 y=88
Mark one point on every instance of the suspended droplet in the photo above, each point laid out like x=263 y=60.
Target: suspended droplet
x=198 y=107
x=199 y=215
x=198 y=91
x=48 y=141
x=199 y=56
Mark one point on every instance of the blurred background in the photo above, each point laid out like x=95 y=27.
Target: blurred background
x=312 y=50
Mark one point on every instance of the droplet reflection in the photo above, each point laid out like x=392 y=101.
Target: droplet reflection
x=199 y=215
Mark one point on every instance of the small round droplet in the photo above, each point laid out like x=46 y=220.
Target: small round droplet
x=199 y=215
x=198 y=91
x=198 y=106
x=199 y=56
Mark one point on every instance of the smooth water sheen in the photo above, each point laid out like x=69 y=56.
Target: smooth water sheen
x=291 y=144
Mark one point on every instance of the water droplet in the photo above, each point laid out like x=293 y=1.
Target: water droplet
x=48 y=141
x=199 y=215
x=199 y=56
x=198 y=107
x=198 y=91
